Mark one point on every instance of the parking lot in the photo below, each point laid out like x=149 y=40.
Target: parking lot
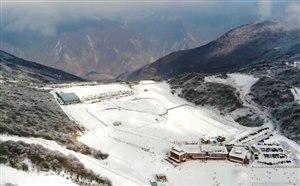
x=272 y=154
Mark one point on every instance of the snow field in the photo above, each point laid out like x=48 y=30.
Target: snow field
x=153 y=120
x=151 y=112
x=242 y=82
x=123 y=170
x=228 y=174
x=9 y=175
x=100 y=167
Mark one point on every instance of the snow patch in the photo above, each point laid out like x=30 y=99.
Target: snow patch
x=21 y=178
x=296 y=92
x=242 y=82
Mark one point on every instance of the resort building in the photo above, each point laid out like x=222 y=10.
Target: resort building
x=240 y=155
x=216 y=152
x=237 y=154
x=204 y=152
x=177 y=154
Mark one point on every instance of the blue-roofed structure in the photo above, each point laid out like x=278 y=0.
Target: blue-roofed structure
x=68 y=98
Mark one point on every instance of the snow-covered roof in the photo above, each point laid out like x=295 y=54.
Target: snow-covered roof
x=216 y=149
x=239 y=152
x=178 y=150
x=192 y=148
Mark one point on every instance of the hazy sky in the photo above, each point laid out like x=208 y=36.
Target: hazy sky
x=43 y=16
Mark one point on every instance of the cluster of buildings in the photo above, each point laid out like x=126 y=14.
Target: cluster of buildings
x=184 y=153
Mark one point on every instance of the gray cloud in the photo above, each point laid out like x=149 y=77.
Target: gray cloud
x=43 y=16
x=39 y=20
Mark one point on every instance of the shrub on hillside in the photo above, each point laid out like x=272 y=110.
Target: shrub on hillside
x=14 y=154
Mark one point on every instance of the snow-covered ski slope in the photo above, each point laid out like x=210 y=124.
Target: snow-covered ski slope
x=153 y=120
x=21 y=178
x=152 y=112
x=98 y=166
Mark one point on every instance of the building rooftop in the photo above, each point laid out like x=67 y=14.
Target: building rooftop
x=239 y=152
x=69 y=97
x=178 y=150
x=216 y=149
x=60 y=101
x=192 y=148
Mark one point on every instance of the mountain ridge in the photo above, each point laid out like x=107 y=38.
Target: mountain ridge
x=15 y=68
x=237 y=48
x=108 y=47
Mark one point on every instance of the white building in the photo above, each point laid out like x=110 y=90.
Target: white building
x=240 y=155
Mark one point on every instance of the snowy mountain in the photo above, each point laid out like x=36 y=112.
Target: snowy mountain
x=242 y=46
x=82 y=46
x=99 y=49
